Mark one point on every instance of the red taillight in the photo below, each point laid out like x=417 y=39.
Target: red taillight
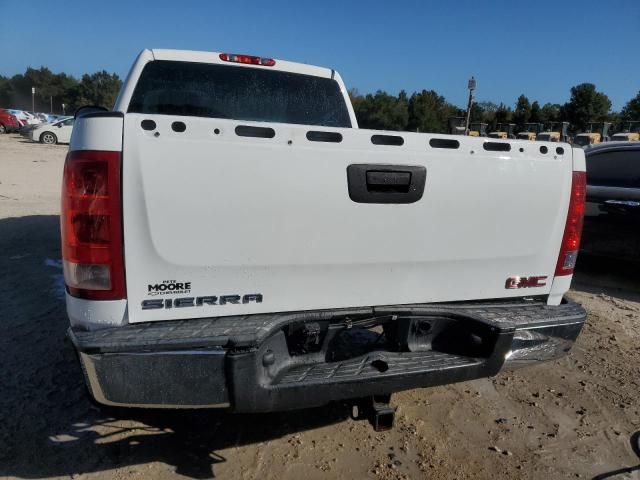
x=573 y=228
x=247 y=59
x=91 y=225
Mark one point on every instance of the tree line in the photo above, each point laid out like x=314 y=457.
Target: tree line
x=54 y=89
x=424 y=111
x=427 y=111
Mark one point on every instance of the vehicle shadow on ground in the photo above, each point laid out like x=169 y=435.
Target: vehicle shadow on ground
x=48 y=427
x=635 y=446
x=22 y=139
x=33 y=142
x=607 y=276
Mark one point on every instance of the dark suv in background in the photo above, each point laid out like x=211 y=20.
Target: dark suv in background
x=612 y=217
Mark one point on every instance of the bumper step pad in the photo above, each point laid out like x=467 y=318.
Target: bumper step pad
x=251 y=330
x=376 y=365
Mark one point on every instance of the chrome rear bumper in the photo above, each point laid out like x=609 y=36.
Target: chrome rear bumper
x=247 y=363
x=537 y=344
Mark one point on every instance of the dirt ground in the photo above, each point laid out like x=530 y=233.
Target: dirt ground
x=574 y=418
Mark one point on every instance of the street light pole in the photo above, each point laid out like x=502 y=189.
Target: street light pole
x=471 y=86
x=33 y=99
x=63 y=105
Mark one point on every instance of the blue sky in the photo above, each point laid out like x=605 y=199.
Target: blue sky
x=539 y=48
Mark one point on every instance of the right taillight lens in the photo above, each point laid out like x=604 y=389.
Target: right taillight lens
x=573 y=227
x=91 y=225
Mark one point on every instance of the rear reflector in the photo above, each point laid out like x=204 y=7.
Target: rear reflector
x=91 y=225
x=247 y=59
x=573 y=228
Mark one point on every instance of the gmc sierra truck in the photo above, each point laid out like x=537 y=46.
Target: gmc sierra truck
x=231 y=239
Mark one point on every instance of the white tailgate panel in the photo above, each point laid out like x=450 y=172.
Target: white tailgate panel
x=236 y=215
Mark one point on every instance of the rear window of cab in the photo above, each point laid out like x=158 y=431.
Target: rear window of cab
x=240 y=93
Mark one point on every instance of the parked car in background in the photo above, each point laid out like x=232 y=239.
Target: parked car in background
x=52 y=133
x=24 y=117
x=26 y=130
x=17 y=113
x=34 y=115
x=8 y=122
x=612 y=216
x=43 y=117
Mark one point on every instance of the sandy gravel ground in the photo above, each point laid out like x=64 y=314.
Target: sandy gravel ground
x=573 y=418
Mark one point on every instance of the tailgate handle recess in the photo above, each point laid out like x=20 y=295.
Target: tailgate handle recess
x=370 y=183
x=388 y=181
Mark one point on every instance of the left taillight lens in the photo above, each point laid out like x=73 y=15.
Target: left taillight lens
x=573 y=226
x=91 y=225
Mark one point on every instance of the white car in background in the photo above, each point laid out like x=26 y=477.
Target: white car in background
x=52 y=133
x=25 y=117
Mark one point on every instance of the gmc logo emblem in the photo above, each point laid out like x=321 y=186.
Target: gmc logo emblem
x=525 y=282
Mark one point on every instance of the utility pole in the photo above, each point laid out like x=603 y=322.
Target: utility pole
x=51 y=105
x=471 y=86
x=33 y=99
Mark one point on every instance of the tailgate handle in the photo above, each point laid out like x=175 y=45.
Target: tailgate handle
x=369 y=183
x=388 y=181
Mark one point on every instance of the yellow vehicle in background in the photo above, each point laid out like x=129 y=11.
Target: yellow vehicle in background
x=478 y=129
x=530 y=131
x=597 y=133
x=556 y=132
x=630 y=132
x=504 y=131
x=457 y=127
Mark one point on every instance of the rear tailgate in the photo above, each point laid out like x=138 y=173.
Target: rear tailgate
x=221 y=215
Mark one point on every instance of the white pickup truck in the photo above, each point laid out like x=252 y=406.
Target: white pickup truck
x=231 y=239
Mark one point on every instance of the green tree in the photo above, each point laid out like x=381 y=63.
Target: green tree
x=535 y=113
x=429 y=112
x=586 y=104
x=477 y=113
x=100 y=88
x=51 y=90
x=489 y=113
x=550 y=112
x=503 y=114
x=522 y=113
x=4 y=91
x=381 y=111
x=631 y=111
x=354 y=95
x=488 y=107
